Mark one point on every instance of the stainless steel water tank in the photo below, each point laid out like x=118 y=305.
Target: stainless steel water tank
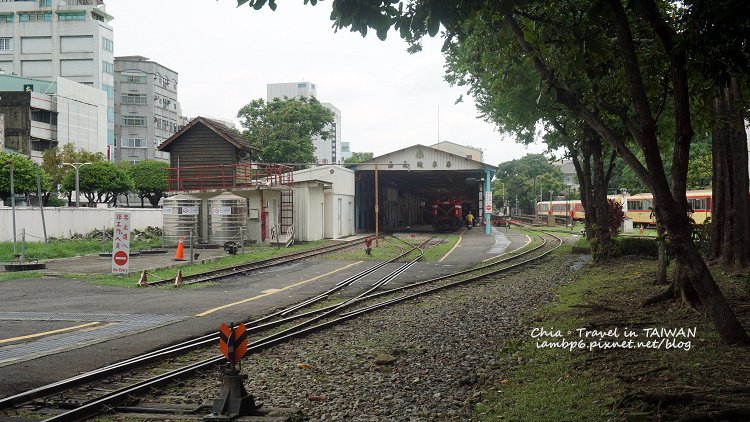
x=227 y=218
x=181 y=214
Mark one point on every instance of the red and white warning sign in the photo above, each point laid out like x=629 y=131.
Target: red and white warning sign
x=121 y=243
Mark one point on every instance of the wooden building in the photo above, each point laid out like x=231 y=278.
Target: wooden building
x=206 y=154
x=207 y=159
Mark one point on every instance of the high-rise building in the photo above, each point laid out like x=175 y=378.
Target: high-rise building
x=72 y=39
x=146 y=108
x=346 y=152
x=326 y=151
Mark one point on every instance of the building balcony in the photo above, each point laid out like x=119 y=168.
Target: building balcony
x=229 y=177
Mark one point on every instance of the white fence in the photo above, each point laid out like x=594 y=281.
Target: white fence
x=64 y=222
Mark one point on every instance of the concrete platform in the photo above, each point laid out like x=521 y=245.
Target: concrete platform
x=54 y=328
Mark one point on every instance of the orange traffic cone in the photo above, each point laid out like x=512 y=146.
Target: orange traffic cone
x=178 y=281
x=143 y=282
x=180 y=253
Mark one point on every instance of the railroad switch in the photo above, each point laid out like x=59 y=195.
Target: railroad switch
x=233 y=401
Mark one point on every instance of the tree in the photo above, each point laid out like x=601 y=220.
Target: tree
x=507 y=94
x=100 y=182
x=526 y=177
x=24 y=176
x=621 y=102
x=716 y=34
x=283 y=130
x=53 y=159
x=149 y=180
x=359 y=157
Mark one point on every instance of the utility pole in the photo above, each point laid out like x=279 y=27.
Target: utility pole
x=77 y=166
x=504 y=204
x=12 y=204
x=377 y=214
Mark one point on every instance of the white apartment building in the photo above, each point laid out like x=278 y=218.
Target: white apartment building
x=72 y=39
x=326 y=151
x=146 y=108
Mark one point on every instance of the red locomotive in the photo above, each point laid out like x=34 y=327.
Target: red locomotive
x=446 y=215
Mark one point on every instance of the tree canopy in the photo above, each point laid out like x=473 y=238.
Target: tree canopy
x=284 y=129
x=24 y=176
x=53 y=159
x=523 y=180
x=358 y=157
x=149 y=180
x=99 y=182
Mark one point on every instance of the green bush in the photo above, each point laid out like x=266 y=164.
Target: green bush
x=636 y=246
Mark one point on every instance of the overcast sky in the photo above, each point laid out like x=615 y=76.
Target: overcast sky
x=226 y=55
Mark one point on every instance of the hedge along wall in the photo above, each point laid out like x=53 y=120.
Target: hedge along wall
x=65 y=222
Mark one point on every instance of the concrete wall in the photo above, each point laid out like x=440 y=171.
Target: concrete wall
x=308 y=212
x=62 y=222
x=339 y=215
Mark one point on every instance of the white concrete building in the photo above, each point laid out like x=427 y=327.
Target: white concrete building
x=147 y=111
x=466 y=151
x=40 y=115
x=47 y=39
x=323 y=203
x=326 y=151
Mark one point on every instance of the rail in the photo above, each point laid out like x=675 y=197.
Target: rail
x=228 y=176
x=110 y=398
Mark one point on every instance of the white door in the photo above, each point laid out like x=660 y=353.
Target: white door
x=339 y=218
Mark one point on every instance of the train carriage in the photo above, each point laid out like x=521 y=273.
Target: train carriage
x=638 y=207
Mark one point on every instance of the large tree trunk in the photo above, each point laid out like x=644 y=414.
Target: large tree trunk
x=730 y=226
x=661 y=234
x=602 y=246
x=593 y=181
x=583 y=170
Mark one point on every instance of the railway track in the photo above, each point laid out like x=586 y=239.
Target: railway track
x=242 y=269
x=89 y=394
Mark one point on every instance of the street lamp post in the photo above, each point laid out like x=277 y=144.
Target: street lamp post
x=568 y=210
x=550 y=216
x=12 y=203
x=77 y=166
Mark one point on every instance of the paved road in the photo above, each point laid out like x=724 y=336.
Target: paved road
x=54 y=328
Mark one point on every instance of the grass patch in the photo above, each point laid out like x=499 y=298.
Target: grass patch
x=252 y=253
x=616 y=384
x=387 y=248
x=8 y=276
x=65 y=248
x=438 y=251
x=546 y=384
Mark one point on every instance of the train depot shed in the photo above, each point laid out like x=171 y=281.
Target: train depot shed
x=421 y=185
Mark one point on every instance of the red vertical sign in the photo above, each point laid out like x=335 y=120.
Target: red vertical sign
x=121 y=243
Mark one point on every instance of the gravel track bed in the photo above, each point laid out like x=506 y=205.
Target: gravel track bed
x=427 y=360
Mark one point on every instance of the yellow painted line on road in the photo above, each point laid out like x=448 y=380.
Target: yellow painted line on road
x=461 y=236
x=46 y=333
x=270 y=292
